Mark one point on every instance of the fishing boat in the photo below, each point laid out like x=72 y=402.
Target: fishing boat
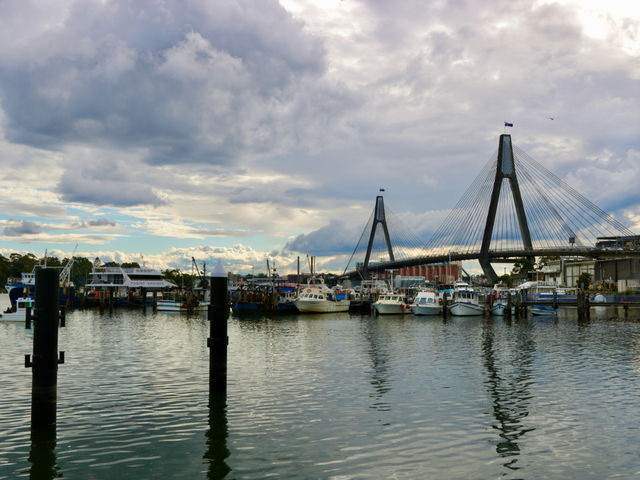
x=543 y=310
x=497 y=300
x=265 y=298
x=465 y=301
x=498 y=307
x=180 y=302
x=316 y=297
x=25 y=284
x=426 y=302
x=19 y=313
x=390 y=303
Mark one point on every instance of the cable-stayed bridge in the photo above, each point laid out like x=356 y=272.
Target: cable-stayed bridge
x=515 y=208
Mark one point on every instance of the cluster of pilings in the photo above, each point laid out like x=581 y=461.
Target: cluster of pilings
x=583 y=304
x=45 y=359
x=519 y=306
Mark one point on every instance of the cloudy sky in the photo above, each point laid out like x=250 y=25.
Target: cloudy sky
x=242 y=130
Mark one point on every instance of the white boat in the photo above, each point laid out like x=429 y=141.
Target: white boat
x=370 y=289
x=181 y=302
x=20 y=313
x=497 y=300
x=170 y=306
x=465 y=301
x=175 y=306
x=541 y=291
x=390 y=303
x=426 y=302
x=316 y=297
x=124 y=280
x=498 y=307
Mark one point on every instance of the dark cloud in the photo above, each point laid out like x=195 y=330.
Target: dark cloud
x=336 y=238
x=32 y=209
x=101 y=222
x=193 y=81
x=74 y=187
x=25 y=227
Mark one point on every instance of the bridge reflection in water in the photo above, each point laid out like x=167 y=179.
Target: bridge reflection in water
x=508 y=381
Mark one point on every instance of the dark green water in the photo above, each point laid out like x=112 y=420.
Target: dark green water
x=331 y=397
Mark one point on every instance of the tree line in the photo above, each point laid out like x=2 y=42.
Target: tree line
x=14 y=265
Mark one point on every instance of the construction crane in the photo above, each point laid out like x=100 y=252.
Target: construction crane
x=65 y=274
x=204 y=283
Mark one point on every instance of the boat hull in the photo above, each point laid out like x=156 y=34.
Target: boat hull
x=171 y=306
x=463 y=309
x=425 y=309
x=259 y=307
x=322 y=306
x=498 y=309
x=13 y=317
x=390 y=309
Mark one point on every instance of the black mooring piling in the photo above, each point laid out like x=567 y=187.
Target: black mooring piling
x=218 y=341
x=44 y=361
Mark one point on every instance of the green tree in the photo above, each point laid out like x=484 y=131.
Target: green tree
x=546 y=260
x=180 y=279
x=5 y=265
x=53 y=262
x=21 y=263
x=130 y=265
x=584 y=280
x=80 y=271
x=522 y=265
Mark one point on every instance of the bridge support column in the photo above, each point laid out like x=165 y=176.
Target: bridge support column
x=488 y=270
x=378 y=218
x=505 y=168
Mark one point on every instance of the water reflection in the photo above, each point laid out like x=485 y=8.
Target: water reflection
x=379 y=357
x=508 y=383
x=217 y=451
x=42 y=454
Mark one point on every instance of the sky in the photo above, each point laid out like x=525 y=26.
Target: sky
x=241 y=131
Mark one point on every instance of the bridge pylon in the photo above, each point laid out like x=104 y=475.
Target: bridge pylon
x=506 y=168
x=379 y=217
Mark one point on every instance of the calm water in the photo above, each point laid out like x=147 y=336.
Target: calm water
x=331 y=397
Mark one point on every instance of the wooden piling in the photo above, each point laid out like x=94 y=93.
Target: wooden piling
x=517 y=308
x=445 y=303
x=582 y=304
x=218 y=341
x=45 y=359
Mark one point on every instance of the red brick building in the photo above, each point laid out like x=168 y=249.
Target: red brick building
x=444 y=273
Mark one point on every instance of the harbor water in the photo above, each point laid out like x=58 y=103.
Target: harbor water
x=335 y=396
